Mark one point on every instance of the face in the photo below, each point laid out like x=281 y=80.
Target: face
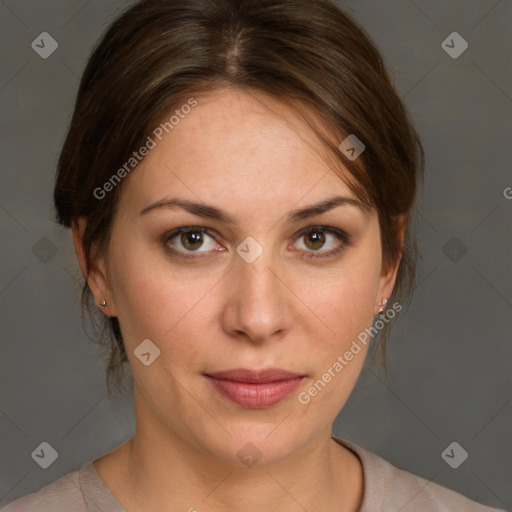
x=257 y=289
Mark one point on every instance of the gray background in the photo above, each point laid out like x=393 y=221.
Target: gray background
x=449 y=354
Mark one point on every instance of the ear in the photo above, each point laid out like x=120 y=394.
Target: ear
x=96 y=276
x=388 y=274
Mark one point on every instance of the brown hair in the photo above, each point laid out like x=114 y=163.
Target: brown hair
x=306 y=53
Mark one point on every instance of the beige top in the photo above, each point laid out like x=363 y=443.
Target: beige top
x=386 y=489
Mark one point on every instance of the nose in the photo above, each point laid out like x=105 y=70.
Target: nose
x=258 y=304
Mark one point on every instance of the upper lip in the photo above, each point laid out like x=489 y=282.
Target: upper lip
x=255 y=376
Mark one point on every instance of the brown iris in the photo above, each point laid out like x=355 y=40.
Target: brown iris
x=192 y=240
x=317 y=239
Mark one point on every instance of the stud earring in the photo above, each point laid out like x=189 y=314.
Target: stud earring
x=103 y=304
x=382 y=303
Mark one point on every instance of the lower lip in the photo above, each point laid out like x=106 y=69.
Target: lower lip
x=255 y=396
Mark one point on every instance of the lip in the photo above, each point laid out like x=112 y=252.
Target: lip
x=255 y=389
x=255 y=376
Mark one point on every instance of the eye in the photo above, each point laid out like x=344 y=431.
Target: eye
x=190 y=239
x=325 y=241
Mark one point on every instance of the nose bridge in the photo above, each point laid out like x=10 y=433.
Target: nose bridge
x=258 y=305
x=257 y=276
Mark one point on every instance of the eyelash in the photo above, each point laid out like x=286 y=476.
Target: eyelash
x=342 y=236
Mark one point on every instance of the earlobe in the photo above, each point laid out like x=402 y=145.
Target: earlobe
x=382 y=304
x=94 y=270
x=386 y=285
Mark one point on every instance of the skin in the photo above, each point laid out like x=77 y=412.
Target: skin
x=248 y=155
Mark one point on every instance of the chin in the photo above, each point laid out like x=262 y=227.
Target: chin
x=256 y=444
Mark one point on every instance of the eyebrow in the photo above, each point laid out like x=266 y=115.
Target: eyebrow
x=212 y=212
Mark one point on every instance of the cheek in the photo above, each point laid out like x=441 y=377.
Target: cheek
x=153 y=300
x=345 y=304
x=168 y=313
x=345 y=299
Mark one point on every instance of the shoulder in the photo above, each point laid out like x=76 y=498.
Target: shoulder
x=388 y=488
x=79 y=491
x=64 y=491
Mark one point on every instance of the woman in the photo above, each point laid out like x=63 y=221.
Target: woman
x=239 y=178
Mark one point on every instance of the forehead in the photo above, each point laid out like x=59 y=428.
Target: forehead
x=238 y=146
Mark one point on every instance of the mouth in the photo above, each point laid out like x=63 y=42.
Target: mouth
x=254 y=389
